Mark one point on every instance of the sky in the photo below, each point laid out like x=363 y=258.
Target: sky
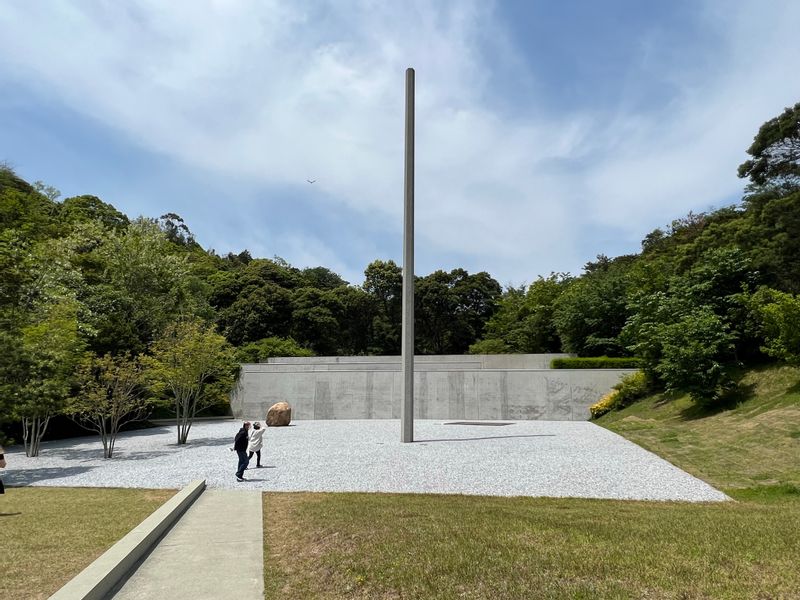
x=546 y=132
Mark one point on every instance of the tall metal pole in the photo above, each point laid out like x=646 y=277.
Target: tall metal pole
x=407 y=408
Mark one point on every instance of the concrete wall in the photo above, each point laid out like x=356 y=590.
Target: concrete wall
x=513 y=387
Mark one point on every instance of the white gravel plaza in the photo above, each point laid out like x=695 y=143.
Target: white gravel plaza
x=521 y=458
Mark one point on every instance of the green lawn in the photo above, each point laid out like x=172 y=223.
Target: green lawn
x=49 y=535
x=417 y=546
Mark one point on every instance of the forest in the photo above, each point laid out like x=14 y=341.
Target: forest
x=99 y=310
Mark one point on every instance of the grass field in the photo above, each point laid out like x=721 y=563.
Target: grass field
x=415 y=546
x=387 y=546
x=48 y=535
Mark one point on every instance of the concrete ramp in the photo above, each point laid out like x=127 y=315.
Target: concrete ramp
x=216 y=550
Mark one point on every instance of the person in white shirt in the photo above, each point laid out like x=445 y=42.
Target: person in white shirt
x=256 y=442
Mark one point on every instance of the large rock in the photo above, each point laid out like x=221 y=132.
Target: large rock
x=279 y=415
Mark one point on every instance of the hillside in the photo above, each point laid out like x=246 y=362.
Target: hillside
x=752 y=444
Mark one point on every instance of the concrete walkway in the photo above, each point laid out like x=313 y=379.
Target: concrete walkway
x=215 y=550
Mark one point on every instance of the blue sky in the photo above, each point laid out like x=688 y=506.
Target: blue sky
x=547 y=132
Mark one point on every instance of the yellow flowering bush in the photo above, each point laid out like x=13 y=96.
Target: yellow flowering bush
x=626 y=392
x=605 y=404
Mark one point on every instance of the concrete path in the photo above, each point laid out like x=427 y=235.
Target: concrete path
x=215 y=550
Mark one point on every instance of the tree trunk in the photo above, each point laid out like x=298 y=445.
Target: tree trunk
x=33 y=429
x=185 y=416
x=185 y=425
x=178 y=413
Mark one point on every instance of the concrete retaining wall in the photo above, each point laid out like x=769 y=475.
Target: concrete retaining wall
x=513 y=387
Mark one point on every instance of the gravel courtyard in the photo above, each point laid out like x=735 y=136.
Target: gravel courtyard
x=522 y=458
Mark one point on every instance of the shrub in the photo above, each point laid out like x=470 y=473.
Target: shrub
x=630 y=389
x=493 y=346
x=780 y=320
x=595 y=362
x=604 y=405
x=263 y=349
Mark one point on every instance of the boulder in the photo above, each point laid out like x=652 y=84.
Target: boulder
x=279 y=415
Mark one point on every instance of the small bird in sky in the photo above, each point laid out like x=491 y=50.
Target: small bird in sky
x=310 y=180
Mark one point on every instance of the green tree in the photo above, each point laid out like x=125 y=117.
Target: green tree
x=10 y=180
x=254 y=299
x=451 y=310
x=770 y=234
x=502 y=331
x=322 y=278
x=537 y=332
x=314 y=320
x=357 y=313
x=263 y=311
x=43 y=331
x=693 y=335
x=260 y=351
x=16 y=276
x=435 y=316
x=524 y=318
x=194 y=366
x=112 y=394
x=779 y=314
x=383 y=280
x=775 y=152
x=591 y=312
x=176 y=230
x=44 y=372
x=80 y=209
x=144 y=285
x=477 y=297
x=31 y=213
x=697 y=355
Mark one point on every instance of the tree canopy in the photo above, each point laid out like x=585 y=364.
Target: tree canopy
x=775 y=152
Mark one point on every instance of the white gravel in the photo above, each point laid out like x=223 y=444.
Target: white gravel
x=524 y=458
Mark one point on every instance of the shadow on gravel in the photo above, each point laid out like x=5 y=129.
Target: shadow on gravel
x=91 y=454
x=494 y=437
x=30 y=476
x=206 y=441
x=147 y=431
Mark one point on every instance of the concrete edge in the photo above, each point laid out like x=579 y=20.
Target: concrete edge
x=100 y=577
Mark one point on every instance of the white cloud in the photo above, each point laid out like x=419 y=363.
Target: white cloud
x=274 y=93
x=686 y=158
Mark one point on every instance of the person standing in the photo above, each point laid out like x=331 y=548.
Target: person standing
x=255 y=444
x=2 y=466
x=240 y=445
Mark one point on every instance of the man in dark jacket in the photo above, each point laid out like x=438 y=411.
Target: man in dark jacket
x=240 y=445
x=2 y=466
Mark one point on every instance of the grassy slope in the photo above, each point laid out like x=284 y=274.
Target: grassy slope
x=424 y=546
x=756 y=443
